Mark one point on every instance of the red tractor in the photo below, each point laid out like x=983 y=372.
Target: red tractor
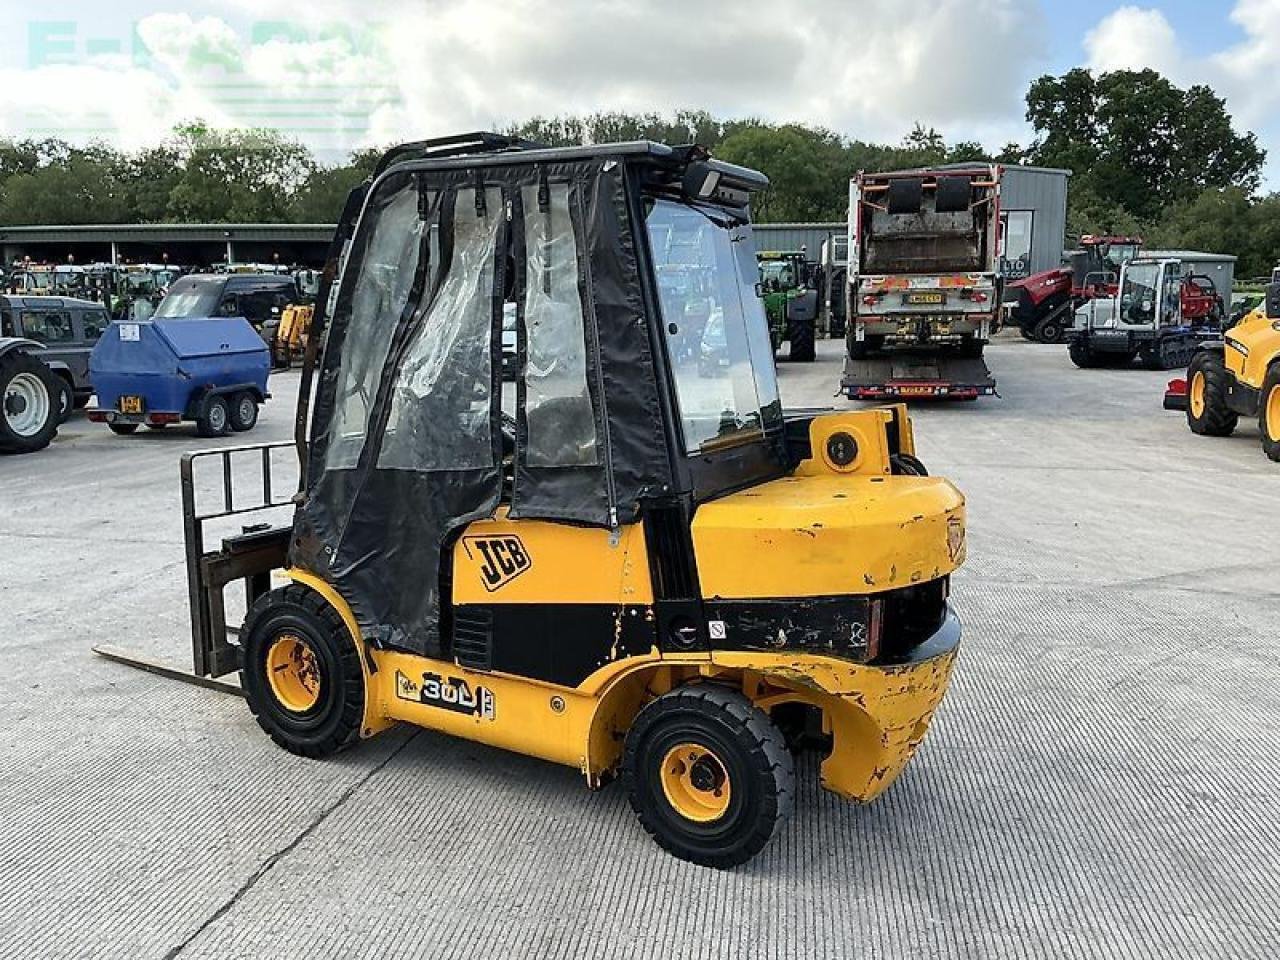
x=1047 y=301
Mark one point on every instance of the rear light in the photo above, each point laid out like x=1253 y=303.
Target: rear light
x=97 y=416
x=1177 y=388
x=870 y=300
x=163 y=417
x=980 y=296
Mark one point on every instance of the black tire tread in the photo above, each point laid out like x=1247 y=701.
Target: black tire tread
x=349 y=659
x=1219 y=420
x=768 y=752
x=1081 y=355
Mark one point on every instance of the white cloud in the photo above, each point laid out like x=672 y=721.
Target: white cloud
x=1243 y=74
x=408 y=68
x=1133 y=38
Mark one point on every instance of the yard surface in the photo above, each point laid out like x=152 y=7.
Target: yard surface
x=1102 y=780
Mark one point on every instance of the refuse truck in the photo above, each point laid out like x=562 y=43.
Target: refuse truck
x=158 y=372
x=924 y=283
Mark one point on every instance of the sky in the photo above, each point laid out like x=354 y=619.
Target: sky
x=341 y=74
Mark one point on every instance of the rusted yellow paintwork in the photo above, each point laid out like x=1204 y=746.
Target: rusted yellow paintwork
x=827 y=530
x=877 y=715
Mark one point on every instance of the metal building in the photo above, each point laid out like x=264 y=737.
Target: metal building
x=184 y=244
x=1033 y=216
x=795 y=236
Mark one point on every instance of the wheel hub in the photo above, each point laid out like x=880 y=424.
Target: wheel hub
x=26 y=405
x=695 y=783
x=1272 y=413
x=293 y=673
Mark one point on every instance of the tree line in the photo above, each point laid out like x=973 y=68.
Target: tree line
x=1148 y=158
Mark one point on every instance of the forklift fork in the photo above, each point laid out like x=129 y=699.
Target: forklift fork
x=250 y=556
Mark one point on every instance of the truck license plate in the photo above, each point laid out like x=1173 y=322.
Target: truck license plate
x=931 y=298
x=915 y=391
x=130 y=404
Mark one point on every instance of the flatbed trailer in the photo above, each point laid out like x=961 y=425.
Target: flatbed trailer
x=904 y=374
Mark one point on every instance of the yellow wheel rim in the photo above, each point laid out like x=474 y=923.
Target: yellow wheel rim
x=695 y=783
x=294 y=673
x=1271 y=412
x=1197 y=394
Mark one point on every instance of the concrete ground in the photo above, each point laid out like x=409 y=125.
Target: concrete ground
x=1102 y=780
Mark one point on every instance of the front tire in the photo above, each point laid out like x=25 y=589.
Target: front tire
x=301 y=672
x=708 y=774
x=1207 y=412
x=1269 y=413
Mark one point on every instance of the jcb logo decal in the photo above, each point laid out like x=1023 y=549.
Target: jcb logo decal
x=501 y=559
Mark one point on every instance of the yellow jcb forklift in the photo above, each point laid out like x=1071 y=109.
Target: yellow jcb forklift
x=1237 y=376
x=639 y=565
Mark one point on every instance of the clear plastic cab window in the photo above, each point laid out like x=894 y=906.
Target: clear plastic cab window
x=440 y=403
x=560 y=418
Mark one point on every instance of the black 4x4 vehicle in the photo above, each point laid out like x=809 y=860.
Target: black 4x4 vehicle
x=258 y=297
x=67 y=330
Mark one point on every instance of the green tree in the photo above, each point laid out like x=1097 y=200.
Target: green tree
x=808 y=171
x=323 y=194
x=247 y=176
x=1135 y=139
x=67 y=185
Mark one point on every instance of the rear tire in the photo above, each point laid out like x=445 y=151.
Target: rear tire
x=215 y=418
x=708 y=774
x=803 y=349
x=1269 y=413
x=1207 y=412
x=243 y=411
x=122 y=429
x=28 y=403
x=301 y=672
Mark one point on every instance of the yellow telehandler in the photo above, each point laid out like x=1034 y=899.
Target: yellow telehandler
x=1239 y=376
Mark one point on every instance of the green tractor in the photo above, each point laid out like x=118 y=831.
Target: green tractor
x=790 y=300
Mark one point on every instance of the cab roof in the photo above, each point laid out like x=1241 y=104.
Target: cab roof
x=480 y=149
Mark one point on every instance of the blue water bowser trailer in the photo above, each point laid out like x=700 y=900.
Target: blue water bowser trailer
x=210 y=370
